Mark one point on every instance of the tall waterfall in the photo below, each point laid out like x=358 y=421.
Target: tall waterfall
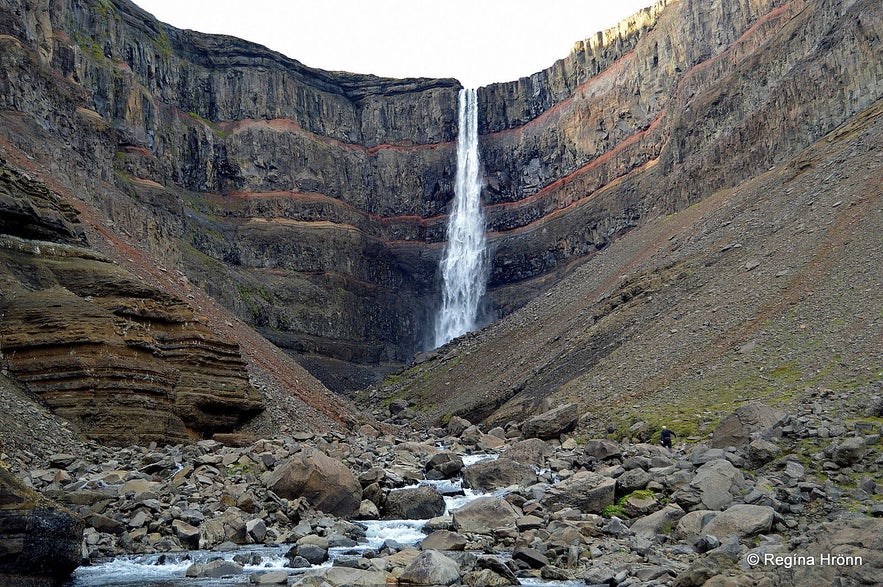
x=464 y=266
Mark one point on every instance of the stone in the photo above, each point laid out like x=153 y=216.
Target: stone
x=530 y=451
x=761 y=452
x=444 y=540
x=635 y=505
x=713 y=487
x=256 y=530
x=431 y=567
x=658 y=523
x=632 y=480
x=40 y=541
x=344 y=576
x=415 y=503
x=315 y=554
x=270 y=578
x=483 y=515
x=586 y=491
x=187 y=534
x=497 y=474
x=215 y=569
x=738 y=428
x=446 y=463
x=551 y=424
x=602 y=449
x=740 y=520
x=533 y=557
x=848 y=451
x=457 y=426
x=368 y=510
x=325 y=482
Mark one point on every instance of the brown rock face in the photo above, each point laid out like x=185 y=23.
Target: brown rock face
x=121 y=360
x=40 y=542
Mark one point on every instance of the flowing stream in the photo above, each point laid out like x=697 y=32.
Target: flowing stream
x=168 y=570
x=464 y=265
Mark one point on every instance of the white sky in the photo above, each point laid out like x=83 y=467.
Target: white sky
x=476 y=41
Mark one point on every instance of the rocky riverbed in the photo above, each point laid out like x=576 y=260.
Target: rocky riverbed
x=763 y=501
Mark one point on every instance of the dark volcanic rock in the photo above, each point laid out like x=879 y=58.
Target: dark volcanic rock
x=39 y=540
x=417 y=503
x=551 y=424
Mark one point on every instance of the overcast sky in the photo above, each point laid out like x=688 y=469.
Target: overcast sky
x=476 y=41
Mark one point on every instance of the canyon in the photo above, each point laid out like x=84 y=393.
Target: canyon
x=205 y=244
x=313 y=204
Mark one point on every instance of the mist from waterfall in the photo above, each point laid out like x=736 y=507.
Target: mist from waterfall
x=464 y=264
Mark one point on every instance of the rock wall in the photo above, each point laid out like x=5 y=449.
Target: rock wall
x=121 y=360
x=314 y=203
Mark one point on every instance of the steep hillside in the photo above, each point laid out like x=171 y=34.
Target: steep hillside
x=768 y=290
x=313 y=204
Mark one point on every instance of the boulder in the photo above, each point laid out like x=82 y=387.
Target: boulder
x=602 y=449
x=227 y=527
x=431 y=568
x=632 y=480
x=551 y=424
x=270 y=578
x=497 y=474
x=414 y=503
x=761 y=451
x=187 y=534
x=339 y=576
x=531 y=451
x=530 y=556
x=739 y=428
x=213 y=569
x=446 y=463
x=325 y=482
x=849 y=451
x=38 y=538
x=457 y=425
x=484 y=514
x=713 y=487
x=586 y=491
x=444 y=540
x=658 y=523
x=741 y=520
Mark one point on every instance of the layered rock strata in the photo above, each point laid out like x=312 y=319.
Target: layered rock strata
x=322 y=197
x=123 y=361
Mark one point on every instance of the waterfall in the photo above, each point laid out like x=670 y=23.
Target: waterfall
x=463 y=266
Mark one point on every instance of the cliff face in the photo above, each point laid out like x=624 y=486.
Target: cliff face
x=314 y=204
x=123 y=361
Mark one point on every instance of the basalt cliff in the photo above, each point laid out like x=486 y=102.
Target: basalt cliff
x=312 y=205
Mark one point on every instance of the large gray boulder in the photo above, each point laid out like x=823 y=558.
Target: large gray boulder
x=414 y=503
x=325 y=482
x=497 y=474
x=586 y=491
x=484 y=514
x=658 y=523
x=755 y=419
x=849 y=451
x=531 y=451
x=431 y=568
x=551 y=424
x=741 y=520
x=712 y=488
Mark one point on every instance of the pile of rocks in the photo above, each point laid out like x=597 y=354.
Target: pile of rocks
x=609 y=512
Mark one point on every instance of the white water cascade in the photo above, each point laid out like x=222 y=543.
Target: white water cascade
x=464 y=265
